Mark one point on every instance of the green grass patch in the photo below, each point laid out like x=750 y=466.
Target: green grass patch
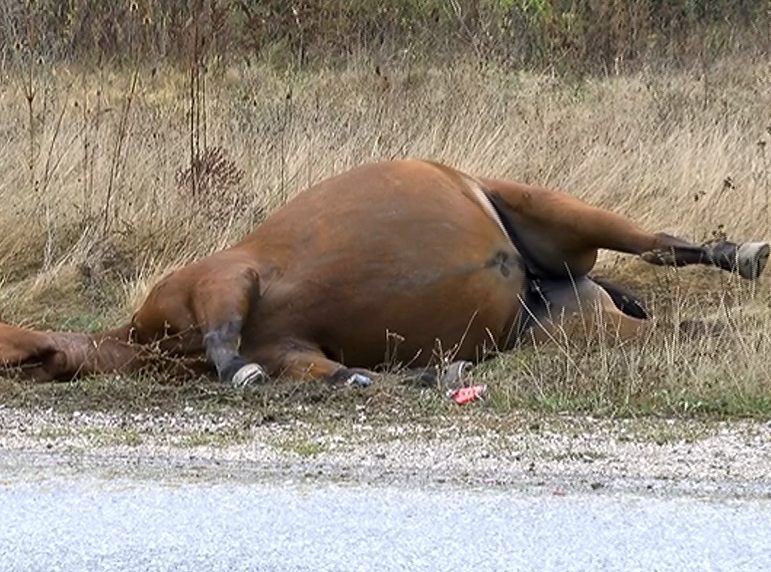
x=213 y=438
x=302 y=447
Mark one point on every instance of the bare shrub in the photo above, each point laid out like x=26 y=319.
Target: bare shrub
x=212 y=186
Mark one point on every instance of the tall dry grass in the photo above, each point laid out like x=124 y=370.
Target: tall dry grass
x=95 y=206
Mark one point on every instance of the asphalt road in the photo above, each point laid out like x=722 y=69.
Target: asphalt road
x=55 y=518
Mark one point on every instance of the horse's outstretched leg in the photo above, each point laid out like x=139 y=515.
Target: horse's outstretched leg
x=298 y=360
x=197 y=310
x=748 y=259
x=559 y=235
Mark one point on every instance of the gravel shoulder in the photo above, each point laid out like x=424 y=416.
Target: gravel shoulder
x=557 y=453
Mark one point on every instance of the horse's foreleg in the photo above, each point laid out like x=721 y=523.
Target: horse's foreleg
x=222 y=350
x=107 y=352
x=206 y=308
x=220 y=304
x=201 y=309
x=300 y=360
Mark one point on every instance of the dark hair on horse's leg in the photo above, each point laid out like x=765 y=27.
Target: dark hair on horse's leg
x=624 y=299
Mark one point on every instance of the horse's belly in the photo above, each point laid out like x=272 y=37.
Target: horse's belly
x=459 y=321
x=401 y=308
x=386 y=262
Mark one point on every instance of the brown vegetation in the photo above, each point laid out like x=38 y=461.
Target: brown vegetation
x=571 y=35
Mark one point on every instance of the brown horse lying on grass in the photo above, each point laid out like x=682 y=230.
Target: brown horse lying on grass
x=386 y=262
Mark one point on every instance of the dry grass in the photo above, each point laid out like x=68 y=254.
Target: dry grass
x=683 y=152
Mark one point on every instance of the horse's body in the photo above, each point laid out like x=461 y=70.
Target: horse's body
x=387 y=262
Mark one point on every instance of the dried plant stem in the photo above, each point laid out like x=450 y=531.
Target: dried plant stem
x=117 y=160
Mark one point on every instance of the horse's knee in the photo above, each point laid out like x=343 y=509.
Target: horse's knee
x=221 y=346
x=164 y=313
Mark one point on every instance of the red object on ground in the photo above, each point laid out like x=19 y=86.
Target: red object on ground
x=466 y=394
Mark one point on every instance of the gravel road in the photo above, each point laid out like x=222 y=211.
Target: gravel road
x=525 y=449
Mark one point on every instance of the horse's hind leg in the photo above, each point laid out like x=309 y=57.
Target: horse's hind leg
x=560 y=235
x=582 y=309
x=748 y=259
x=624 y=299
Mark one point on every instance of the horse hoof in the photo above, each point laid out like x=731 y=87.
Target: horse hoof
x=250 y=374
x=354 y=377
x=751 y=258
x=358 y=380
x=456 y=374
